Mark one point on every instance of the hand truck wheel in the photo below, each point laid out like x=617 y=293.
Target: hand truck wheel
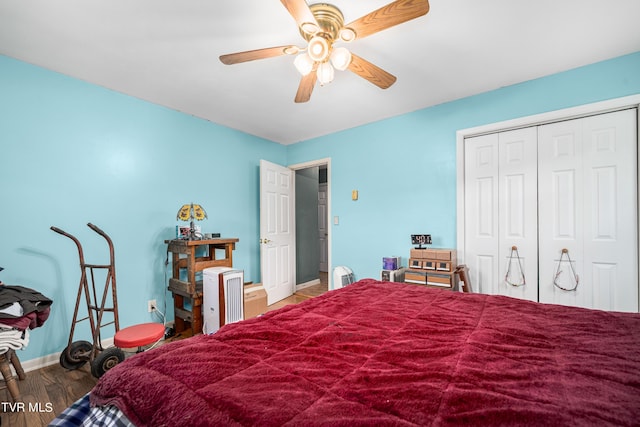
x=76 y=355
x=106 y=360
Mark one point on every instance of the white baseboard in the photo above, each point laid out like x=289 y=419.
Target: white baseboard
x=40 y=362
x=308 y=284
x=51 y=359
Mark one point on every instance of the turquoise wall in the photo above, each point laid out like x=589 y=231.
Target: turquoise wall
x=404 y=168
x=73 y=153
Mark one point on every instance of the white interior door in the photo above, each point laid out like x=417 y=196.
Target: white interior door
x=322 y=228
x=277 y=231
x=588 y=200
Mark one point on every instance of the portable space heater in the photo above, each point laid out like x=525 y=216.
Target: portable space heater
x=222 y=297
x=342 y=276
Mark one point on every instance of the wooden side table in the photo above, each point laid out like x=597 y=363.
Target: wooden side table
x=185 y=257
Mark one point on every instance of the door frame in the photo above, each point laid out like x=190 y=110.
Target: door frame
x=323 y=187
x=632 y=101
x=312 y=163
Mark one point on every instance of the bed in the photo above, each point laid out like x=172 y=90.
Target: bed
x=390 y=354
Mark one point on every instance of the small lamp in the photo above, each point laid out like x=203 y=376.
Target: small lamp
x=190 y=212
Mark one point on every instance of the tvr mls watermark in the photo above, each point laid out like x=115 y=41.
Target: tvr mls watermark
x=27 y=407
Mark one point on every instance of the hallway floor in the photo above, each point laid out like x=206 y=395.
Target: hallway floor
x=304 y=294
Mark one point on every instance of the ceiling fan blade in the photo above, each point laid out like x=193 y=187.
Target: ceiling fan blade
x=306 y=86
x=373 y=73
x=252 y=55
x=300 y=12
x=387 y=16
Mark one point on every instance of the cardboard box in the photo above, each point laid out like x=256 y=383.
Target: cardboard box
x=444 y=266
x=434 y=254
x=412 y=276
x=429 y=264
x=255 y=300
x=418 y=253
x=441 y=280
x=415 y=263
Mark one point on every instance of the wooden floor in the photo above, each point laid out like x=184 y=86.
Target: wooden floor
x=48 y=391
x=315 y=290
x=45 y=393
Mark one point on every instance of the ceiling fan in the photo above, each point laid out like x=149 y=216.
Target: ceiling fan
x=322 y=25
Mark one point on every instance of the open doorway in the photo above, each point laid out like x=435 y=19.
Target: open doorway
x=312 y=210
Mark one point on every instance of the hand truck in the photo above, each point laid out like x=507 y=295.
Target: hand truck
x=77 y=353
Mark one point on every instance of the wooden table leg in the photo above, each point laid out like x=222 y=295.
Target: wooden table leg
x=196 y=310
x=17 y=365
x=178 y=302
x=9 y=378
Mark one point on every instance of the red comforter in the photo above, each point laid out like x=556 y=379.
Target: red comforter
x=390 y=354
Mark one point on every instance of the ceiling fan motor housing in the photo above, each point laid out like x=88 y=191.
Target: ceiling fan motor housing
x=329 y=19
x=331 y=23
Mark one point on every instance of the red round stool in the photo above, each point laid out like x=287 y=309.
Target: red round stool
x=138 y=335
x=131 y=337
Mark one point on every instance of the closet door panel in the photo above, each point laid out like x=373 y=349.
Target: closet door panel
x=588 y=169
x=610 y=216
x=518 y=240
x=481 y=211
x=560 y=202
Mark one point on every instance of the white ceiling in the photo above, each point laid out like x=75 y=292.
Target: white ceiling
x=166 y=52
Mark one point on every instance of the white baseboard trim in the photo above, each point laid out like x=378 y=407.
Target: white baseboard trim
x=51 y=359
x=40 y=362
x=308 y=284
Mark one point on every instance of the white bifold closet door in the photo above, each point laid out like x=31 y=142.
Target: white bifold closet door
x=532 y=192
x=501 y=213
x=587 y=178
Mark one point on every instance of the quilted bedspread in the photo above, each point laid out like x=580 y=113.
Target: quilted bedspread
x=392 y=354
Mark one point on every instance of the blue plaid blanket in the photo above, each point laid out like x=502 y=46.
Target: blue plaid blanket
x=82 y=414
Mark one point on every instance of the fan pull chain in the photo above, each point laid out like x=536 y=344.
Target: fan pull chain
x=576 y=278
x=506 y=276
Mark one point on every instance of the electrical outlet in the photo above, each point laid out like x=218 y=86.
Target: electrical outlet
x=152 y=305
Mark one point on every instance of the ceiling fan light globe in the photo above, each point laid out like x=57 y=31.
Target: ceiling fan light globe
x=341 y=58
x=325 y=73
x=318 y=49
x=303 y=63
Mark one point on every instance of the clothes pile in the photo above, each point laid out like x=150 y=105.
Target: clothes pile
x=21 y=309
